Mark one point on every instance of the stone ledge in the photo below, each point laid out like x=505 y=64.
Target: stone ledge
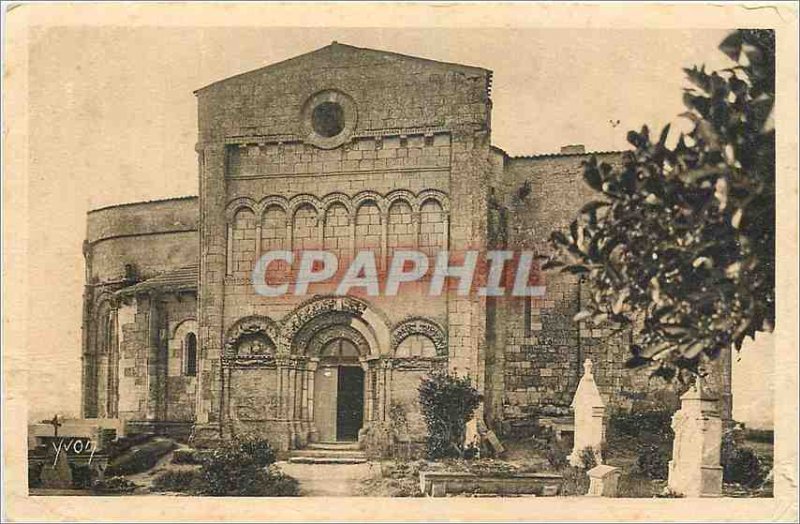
x=439 y=484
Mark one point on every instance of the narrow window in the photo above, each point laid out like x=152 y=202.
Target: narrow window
x=191 y=355
x=528 y=317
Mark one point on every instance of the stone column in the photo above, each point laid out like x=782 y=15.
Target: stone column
x=589 y=417
x=313 y=434
x=695 y=469
x=102 y=384
x=153 y=358
x=382 y=262
x=213 y=258
x=113 y=366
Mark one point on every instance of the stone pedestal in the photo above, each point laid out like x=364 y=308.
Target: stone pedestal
x=603 y=481
x=590 y=411
x=695 y=469
x=56 y=473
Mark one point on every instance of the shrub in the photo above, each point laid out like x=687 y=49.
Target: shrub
x=181 y=481
x=187 y=457
x=114 y=485
x=140 y=458
x=448 y=402
x=281 y=485
x=653 y=461
x=647 y=431
x=82 y=476
x=765 y=436
x=641 y=425
x=575 y=481
x=741 y=464
x=239 y=468
x=588 y=458
x=557 y=454
x=34 y=474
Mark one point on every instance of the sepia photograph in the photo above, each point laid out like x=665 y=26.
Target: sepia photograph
x=389 y=256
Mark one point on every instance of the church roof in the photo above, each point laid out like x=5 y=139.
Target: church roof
x=183 y=279
x=335 y=48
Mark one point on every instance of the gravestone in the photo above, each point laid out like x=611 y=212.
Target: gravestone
x=56 y=473
x=603 y=481
x=695 y=469
x=590 y=413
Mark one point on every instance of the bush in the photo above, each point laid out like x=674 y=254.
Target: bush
x=653 y=461
x=114 y=485
x=741 y=464
x=448 y=402
x=181 y=481
x=588 y=458
x=281 y=485
x=140 y=458
x=575 y=481
x=641 y=425
x=186 y=456
x=647 y=431
x=239 y=468
x=557 y=454
x=82 y=476
x=34 y=474
x=765 y=436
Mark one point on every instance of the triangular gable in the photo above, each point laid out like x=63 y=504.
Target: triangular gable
x=336 y=49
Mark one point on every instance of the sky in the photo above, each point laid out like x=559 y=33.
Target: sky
x=112 y=119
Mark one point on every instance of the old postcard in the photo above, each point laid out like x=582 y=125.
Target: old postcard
x=396 y=258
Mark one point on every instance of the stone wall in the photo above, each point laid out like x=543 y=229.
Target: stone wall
x=143 y=395
x=391 y=91
x=543 y=347
x=154 y=236
x=417 y=128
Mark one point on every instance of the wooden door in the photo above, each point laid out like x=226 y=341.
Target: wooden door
x=326 y=383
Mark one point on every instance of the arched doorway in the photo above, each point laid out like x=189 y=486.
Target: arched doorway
x=337 y=347
x=339 y=392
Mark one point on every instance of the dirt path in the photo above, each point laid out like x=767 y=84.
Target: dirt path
x=329 y=480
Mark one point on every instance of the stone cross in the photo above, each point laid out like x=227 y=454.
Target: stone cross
x=590 y=413
x=55 y=423
x=695 y=469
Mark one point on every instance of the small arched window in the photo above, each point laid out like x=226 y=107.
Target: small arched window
x=191 y=355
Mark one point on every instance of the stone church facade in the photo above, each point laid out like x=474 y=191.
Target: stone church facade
x=341 y=149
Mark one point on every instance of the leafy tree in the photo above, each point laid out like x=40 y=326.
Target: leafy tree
x=448 y=402
x=679 y=245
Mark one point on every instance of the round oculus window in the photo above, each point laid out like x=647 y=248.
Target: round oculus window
x=327 y=119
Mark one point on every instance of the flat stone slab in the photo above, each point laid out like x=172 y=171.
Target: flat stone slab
x=327 y=460
x=325 y=453
x=334 y=446
x=440 y=484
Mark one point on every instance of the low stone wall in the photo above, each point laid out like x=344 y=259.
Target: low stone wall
x=439 y=484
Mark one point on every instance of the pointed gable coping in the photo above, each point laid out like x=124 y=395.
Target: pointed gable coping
x=353 y=49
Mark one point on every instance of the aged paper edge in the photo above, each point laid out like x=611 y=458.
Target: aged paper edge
x=18 y=18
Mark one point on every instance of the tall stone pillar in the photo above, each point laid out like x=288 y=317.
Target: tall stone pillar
x=153 y=358
x=211 y=159
x=695 y=469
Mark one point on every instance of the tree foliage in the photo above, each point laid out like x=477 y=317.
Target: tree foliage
x=448 y=402
x=679 y=244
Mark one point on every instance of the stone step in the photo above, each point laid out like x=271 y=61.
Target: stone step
x=326 y=460
x=334 y=446
x=332 y=453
